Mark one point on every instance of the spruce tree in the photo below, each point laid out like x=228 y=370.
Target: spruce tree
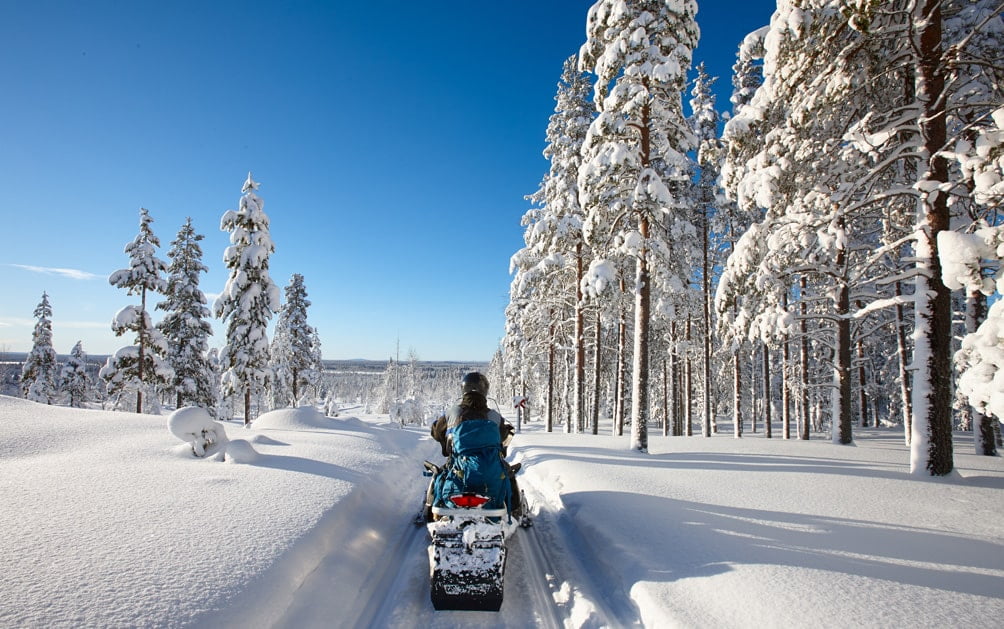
x=294 y=356
x=550 y=268
x=184 y=325
x=38 y=374
x=140 y=366
x=248 y=300
x=76 y=384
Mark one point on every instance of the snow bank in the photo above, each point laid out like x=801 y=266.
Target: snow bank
x=302 y=418
x=105 y=525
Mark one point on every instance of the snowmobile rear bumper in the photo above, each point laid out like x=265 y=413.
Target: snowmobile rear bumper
x=467 y=564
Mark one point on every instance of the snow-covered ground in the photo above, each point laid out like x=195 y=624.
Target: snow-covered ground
x=107 y=520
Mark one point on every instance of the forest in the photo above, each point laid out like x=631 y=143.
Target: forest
x=823 y=255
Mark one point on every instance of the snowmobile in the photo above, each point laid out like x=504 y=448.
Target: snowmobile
x=469 y=519
x=467 y=553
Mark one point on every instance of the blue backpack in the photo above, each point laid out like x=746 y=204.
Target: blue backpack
x=475 y=466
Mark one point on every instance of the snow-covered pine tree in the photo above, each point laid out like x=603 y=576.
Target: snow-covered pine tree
x=946 y=54
x=75 y=382
x=293 y=355
x=820 y=223
x=635 y=156
x=976 y=94
x=316 y=360
x=224 y=405
x=139 y=367
x=971 y=260
x=248 y=300
x=709 y=156
x=38 y=374
x=185 y=326
x=555 y=255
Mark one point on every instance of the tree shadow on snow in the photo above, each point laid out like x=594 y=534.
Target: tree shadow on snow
x=728 y=461
x=307 y=466
x=693 y=539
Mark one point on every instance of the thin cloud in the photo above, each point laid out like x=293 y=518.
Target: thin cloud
x=82 y=325
x=73 y=274
x=13 y=322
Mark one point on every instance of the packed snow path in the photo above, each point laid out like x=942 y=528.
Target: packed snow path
x=376 y=570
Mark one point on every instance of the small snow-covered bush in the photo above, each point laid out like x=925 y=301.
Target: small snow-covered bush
x=196 y=426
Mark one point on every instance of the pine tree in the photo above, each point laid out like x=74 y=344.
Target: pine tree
x=792 y=155
x=944 y=56
x=632 y=184
x=140 y=366
x=38 y=375
x=709 y=156
x=248 y=300
x=184 y=325
x=294 y=356
x=75 y=381
x=554 y=258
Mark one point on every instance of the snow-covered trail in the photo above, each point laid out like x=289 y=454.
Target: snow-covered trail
x=373 y=567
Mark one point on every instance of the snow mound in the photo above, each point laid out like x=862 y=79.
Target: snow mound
x=266 y=441
x=302 y=418
x=196 y=427
x=240 y=451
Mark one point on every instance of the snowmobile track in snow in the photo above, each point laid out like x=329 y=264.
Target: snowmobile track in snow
x=562 y=554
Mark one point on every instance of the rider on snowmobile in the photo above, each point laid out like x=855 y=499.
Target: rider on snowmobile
x=474 y=405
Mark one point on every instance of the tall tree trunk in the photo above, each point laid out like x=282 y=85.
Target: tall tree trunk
x=706 y=305
x=667 y=420
x=803 y=360
x=902 y=351
x=579 y=374
x=550 y=381
x=640 y=388
x=862 y=383
x=142 y=350
x=983 y=425
x=597 y=355
x=672 y=390
x=841 y=399
x=785 y=378
x=688 y=387
x=931 y=442
x=768 y=410
x=621 y=378
x=247 y=405
x=737 y=394
x=840 y=408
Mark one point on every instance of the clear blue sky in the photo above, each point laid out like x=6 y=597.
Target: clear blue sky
x=394 y=143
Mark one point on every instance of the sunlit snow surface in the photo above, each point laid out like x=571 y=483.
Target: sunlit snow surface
x=109 y=520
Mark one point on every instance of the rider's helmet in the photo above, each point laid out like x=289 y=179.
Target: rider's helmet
x=476 y=382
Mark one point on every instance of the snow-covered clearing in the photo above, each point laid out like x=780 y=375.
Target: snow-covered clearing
x=108 y=520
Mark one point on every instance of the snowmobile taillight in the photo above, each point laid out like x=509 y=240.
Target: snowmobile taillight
x=469 y=501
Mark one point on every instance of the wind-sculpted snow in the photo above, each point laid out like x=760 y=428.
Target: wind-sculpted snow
x=196 y=427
